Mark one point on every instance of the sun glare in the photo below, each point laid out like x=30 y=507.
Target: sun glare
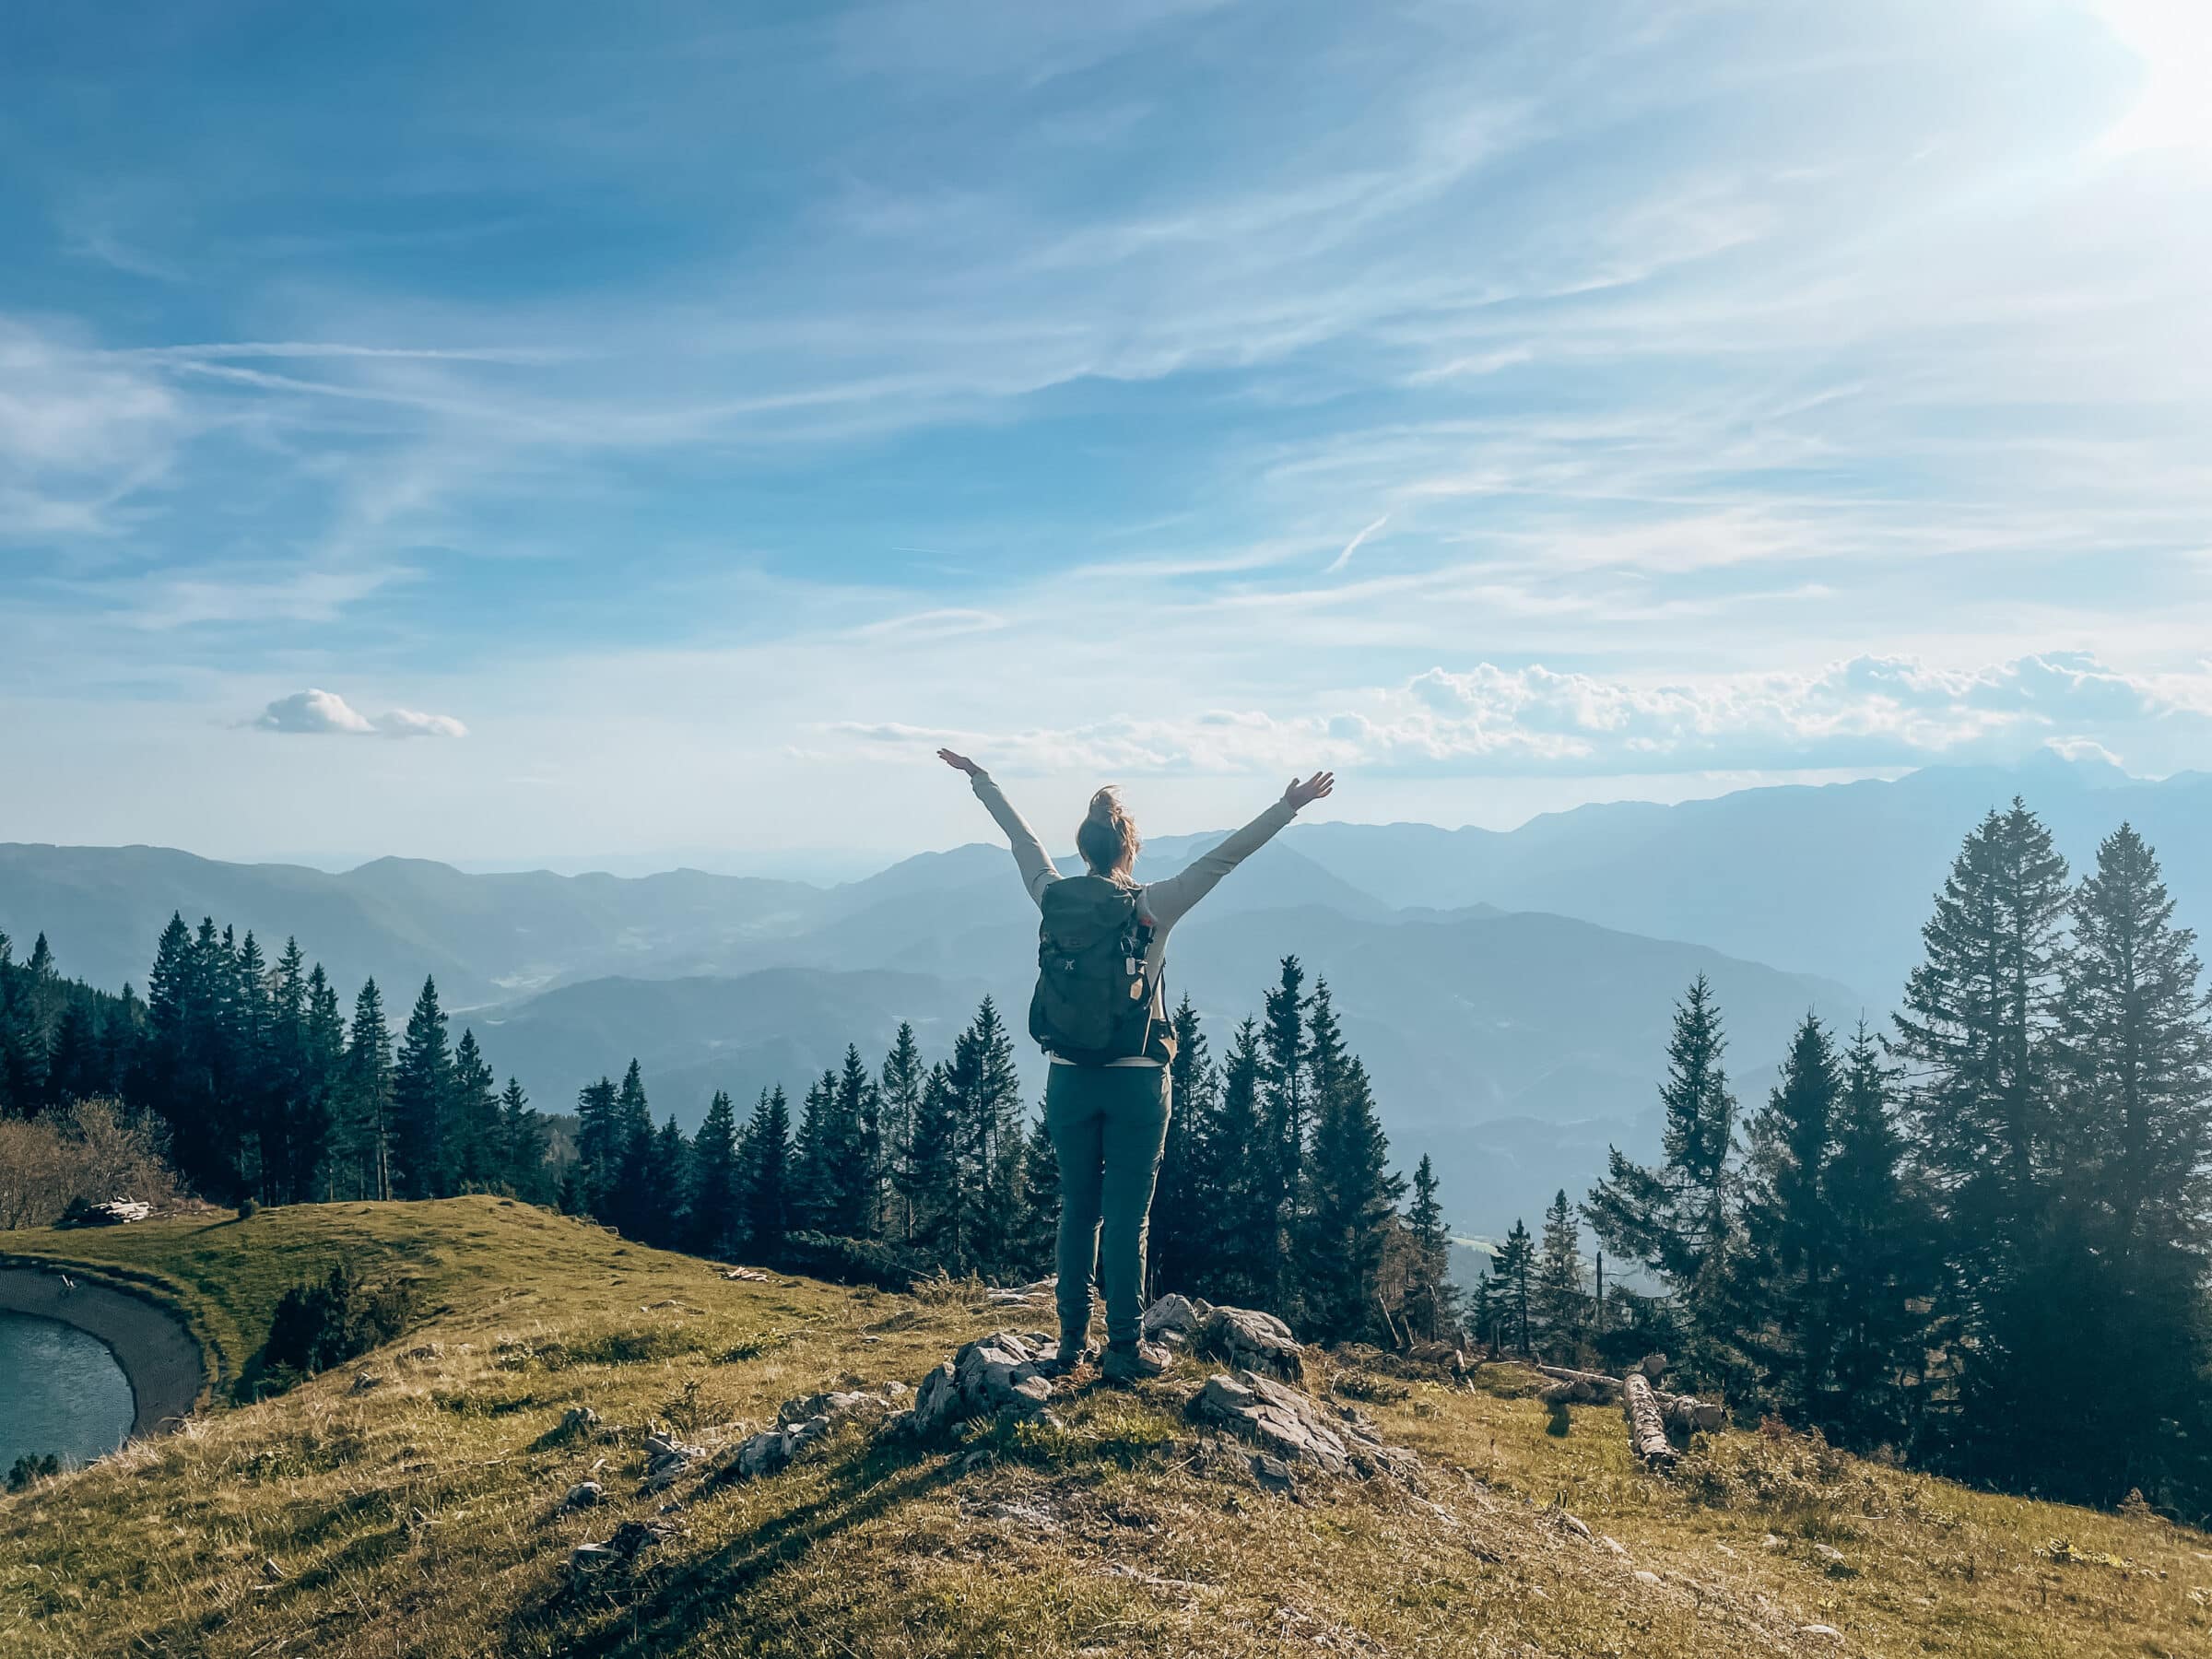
x=2173 y=106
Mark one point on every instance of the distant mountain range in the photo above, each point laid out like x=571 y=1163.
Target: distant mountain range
x=1510 y=993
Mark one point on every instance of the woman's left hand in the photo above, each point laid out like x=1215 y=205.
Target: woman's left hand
x=958 y=762
x=1314 y=789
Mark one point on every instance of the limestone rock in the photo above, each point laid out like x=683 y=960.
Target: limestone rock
x=1290 y=1424
x=667 y=1461
x=1247 y=1340
x=855 y=1403
x=363 y=1380
x=578 y=1419
x=630 y=1538
x=1827 y=1631
x=1175 y=1319
x=583 y=1495
x=1001 y=1373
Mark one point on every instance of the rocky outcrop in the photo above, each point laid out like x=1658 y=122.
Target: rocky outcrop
x=1291 y=1427
x=1001 y=1375
x=1240 y=1338
x=801 y=1422
x=667 y=1462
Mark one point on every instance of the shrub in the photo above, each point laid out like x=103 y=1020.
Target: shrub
x=28 y=1469
x=84 y=1154
x=317 y=1326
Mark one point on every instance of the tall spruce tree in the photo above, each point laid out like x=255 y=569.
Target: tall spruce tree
x=932 y=1179
x=523 y=1145
x=2137 y=1176
x=1678 y=1219
x=1977 y=1038
x=1788 y=1264
x=636 y=1200
x=1558 y=1295
x=422 y=1098
x=899 y=1088
x=1036 y=1238
x=1881 y=1241
x=714 y=1179
x=1512 y=1270
x=1185 y=1203
x=368 y=1096
x=1286 y=1122
x=1431 y=1299
x=764 y=1176
x=1246 y=1264
x=599 y=1146
x=318 y=1089
x=1351 y=1195
x=472 y=1152
x=666 y=1222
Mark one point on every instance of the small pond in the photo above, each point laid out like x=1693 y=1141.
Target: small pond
x=61 y=1391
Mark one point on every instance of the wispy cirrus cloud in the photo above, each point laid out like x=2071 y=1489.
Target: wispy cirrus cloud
x=318 y=713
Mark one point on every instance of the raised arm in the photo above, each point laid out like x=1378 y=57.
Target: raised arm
x=1029 y=856
x=1169 y=900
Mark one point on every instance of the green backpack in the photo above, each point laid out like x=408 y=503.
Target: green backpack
x=1094 y=999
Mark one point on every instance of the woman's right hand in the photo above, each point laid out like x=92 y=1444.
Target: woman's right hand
x=961 y=762
x=1304 y=795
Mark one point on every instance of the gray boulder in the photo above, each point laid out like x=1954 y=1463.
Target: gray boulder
x=1292 y=1427
x=1001 y=1373
x=1246 y=1340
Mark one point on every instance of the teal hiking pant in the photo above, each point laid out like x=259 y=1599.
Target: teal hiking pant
x=1108 y=1125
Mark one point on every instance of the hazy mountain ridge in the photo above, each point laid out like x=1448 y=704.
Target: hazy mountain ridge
x=1512 y=1009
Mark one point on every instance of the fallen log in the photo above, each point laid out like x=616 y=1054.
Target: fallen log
x=1647 y=1424
x=1582 y=1384
x=1686 y=1412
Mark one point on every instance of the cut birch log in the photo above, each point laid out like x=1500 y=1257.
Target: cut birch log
x=1647 y=1426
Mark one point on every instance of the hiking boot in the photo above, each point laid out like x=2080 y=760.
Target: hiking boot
x=1132 y=1361
x=1066 y=1357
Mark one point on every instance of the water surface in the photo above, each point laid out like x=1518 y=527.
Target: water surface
x=61 y=1391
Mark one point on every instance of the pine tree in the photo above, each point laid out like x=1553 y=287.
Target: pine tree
x=1431 y=1299
x=1351 y=1195
x=1512 y=1269
x=1787 y=1268
x=1284 y=1112
x=813 y=1156
x=368 y=1096
x=1185 y=1203
x=318 y=1090
x=2136 y=1150
x=1978 y=1038
x=714 y=1179
x=600 y=1142
x=1677 y=1219
x=900 y=1090
x=1559 y=1299
x=472 y=1152
x=764 y=1168
x=422 y=1099
x=1036 y=1238
x=1881 y=1242
x=635 y=1201
x=932 y=1179
x=1245 y=1263
x=666 y=1222
x=522 y=1145
x=976 y=1234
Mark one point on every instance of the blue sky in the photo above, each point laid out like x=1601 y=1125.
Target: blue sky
x=515 y=432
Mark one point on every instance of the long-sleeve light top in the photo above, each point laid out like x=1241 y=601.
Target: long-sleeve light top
x=1162 y=903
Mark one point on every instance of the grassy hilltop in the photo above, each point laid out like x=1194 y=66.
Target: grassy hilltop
x=419 y=1516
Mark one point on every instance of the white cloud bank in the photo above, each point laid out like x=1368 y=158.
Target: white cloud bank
x=1869 y=713
x=324 y=714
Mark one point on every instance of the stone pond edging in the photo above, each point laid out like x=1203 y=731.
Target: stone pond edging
x=160 y=1357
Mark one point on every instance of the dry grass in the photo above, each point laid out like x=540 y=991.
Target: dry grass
x=419 y=1517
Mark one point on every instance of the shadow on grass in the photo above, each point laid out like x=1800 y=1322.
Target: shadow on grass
x=664 y=1609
